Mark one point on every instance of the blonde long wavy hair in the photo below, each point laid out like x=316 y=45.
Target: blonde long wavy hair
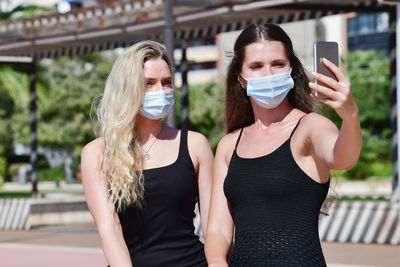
x=116 y=115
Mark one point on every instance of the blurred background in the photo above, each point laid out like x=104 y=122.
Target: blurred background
x=56 y=54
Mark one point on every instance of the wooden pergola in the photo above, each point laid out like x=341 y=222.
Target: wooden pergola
x=174 y=23
x=126 y=22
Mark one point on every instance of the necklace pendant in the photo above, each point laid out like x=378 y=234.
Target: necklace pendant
x=146 y=156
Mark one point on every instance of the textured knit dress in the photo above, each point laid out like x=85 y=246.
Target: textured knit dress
x=275 y=207
x=162 y=233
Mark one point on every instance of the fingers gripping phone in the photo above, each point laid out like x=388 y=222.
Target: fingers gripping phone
x=330 y=51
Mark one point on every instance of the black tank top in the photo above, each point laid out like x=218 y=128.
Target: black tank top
x=161 y=233
x=275 y=209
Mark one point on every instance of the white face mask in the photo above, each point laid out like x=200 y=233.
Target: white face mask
x=156 y=105
x=269 y=91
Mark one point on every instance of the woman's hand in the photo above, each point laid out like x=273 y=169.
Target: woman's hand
x=338 y=92
x=336 y=150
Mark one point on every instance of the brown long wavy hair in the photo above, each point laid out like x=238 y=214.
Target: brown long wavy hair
x=239 y=112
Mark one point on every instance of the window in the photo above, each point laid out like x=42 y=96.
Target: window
x=366 y=23
x=352 y=27
x=382 y=22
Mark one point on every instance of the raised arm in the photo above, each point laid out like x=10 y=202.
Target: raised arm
x=103 y=213
x=337 y=150
x=199 y=147
x=220 y=223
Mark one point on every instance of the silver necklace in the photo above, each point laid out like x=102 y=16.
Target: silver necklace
x=146 y=155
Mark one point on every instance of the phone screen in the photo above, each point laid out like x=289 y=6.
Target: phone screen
x=330 y=51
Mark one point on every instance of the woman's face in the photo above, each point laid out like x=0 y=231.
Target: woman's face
x=157 y=75
x=264 y=58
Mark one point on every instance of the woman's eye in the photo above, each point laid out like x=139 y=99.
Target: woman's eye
x=279 y=65
x=255 y=67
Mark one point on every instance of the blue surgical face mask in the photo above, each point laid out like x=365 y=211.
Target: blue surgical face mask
x=269 y=91
x=156 y=105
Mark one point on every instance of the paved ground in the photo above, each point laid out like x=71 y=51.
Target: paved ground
x=357 y=255
x=52 y=247
x=79 y=245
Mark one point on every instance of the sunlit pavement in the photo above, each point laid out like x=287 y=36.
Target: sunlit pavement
x=357 y=255
x=79 y=245
x=18 y=255
x=52 y=247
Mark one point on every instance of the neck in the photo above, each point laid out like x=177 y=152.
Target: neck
x=264 y=118
x=146 y=128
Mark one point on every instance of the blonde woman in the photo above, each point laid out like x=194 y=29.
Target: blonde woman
x=142 y=178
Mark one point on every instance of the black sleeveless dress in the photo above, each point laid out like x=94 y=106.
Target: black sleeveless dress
x=275 y=210
x=161 y=233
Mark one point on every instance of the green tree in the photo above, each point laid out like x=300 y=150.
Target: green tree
x=6 y=108
x=64 y=102
x=25 y=11
x=65 y=90
x=368 y=72
x=11 y=104
x=206 y=110
x=16 y=84
x=9 y=108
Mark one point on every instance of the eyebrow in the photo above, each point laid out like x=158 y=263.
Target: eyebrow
x=280 y=60
x=255 y=62
x=163 y=79
x=273 y=61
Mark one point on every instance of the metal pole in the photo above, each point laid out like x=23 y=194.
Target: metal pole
x=169 y=44
x=185 y=88
x=397 y=49
x=393 y=95
x=32 y=125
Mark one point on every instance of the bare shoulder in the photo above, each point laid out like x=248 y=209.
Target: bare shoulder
x=227 y=144
x=92 y=152
x=199 y=149
x=94 y=146
x=196 y=139
x=315 y=121
x=229 y=140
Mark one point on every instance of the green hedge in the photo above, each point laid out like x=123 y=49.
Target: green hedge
x=3 y=169
x=52 y=174
x=374 y=161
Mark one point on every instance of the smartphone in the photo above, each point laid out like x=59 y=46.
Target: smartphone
x=330 y=51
